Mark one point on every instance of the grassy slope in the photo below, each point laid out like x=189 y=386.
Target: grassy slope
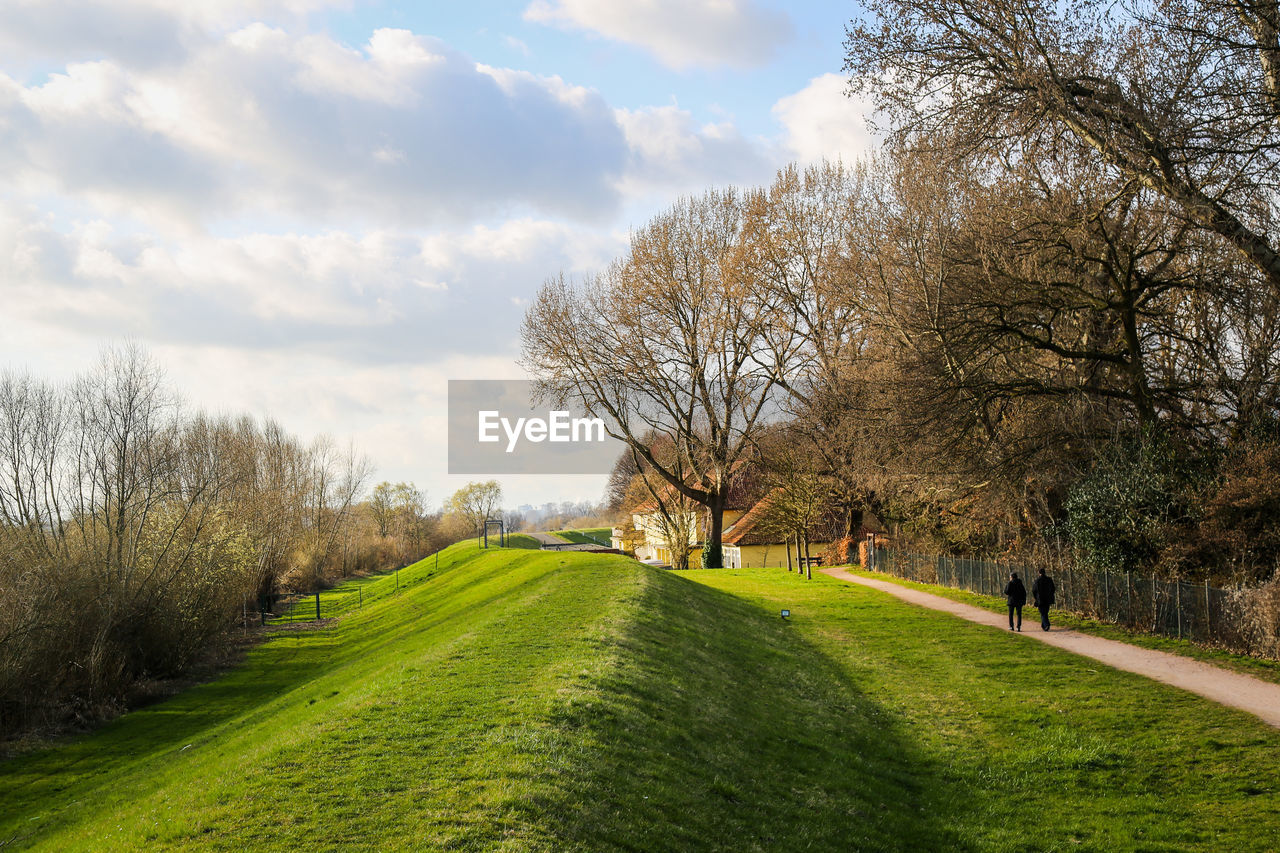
x=586 y=536
x=523 y=540
x=544 y=701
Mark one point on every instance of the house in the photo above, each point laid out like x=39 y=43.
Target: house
x=753 y=542
x=647 y=533
x=749 y=539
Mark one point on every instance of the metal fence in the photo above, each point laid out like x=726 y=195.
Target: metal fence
x=353 y=594
x=1198 y=612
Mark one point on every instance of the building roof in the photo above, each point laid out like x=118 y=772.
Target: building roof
x=754 y=529
x=751 y=528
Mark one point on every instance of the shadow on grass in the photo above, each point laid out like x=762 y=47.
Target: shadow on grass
x=269 y=680
x=719 y=727
x=690 y=719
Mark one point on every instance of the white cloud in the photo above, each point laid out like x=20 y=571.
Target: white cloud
x=670 y=154
x=381 y=296
x=680 y=33
x=137 y=32
x=517 y=45
x=821 y=121
x=311 y=230
x=406 y=130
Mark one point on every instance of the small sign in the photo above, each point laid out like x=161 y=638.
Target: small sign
x=786 y=613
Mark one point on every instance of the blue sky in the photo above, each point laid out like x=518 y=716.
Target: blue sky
x=322 y=210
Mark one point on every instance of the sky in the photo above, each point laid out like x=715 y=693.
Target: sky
x=320 y=211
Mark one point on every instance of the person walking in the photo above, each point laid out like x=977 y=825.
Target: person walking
x=1016 y=594
x=1042 y=592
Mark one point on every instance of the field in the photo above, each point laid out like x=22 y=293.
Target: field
x=531 y=700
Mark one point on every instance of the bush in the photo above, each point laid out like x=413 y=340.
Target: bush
x=712 y=556
x=1132 y=504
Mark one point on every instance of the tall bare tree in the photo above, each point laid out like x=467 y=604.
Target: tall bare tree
x=1182 y=96
x=674 y=344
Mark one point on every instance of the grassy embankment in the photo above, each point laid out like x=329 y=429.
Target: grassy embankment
x=548 y=701
x=586 y=535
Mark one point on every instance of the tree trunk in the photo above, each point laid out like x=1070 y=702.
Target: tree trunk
x=716 y=508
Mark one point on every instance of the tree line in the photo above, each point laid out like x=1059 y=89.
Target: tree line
x=1044 y=316
x=137 y=537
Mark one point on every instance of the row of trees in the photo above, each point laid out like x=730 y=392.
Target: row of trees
x=1046 y=313
x=134 y=535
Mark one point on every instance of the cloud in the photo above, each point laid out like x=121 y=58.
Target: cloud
x=680 y=33
x=670 y=154
x=405 y=130
x=821 y=121
x=138 y=32
x=517 y=45
x=378 y=297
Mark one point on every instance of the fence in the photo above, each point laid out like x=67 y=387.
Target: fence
x=352 y=594
x=1225 y=617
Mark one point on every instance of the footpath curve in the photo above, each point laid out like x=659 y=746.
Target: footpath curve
x=1258 y=697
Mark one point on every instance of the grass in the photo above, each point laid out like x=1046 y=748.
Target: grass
x=523 y=540
x=586 y=535
x=520 y=700
x=1268 y=670
x=1029 y=747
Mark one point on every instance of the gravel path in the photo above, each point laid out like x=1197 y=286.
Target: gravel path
x=1260 y=698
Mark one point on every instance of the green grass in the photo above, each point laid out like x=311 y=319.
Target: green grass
x=586 y=536
x=523 y=540
x=520 y=700
x=1268 y=670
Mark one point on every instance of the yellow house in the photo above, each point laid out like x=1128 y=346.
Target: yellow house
x=748 y=544
x=752 y=543
x=648 y=539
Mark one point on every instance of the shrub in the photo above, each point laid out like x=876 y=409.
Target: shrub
x=1132 y=504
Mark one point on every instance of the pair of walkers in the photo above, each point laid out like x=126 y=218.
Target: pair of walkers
x=1042 y=591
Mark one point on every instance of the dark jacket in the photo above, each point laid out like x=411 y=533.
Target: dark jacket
x=1015 y=592
x=1042 y=589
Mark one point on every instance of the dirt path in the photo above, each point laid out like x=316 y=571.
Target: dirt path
x=1260 y=698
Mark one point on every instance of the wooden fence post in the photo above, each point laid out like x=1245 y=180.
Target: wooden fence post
x=1208 y=613
x=1128 y=597
x=1178 y=599
x=1155 y=611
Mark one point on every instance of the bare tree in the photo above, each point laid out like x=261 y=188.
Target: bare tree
x=134 y=534
x=1178 y=95
x=800 y=498
x=382 y=507
x=674 y=344
x=675 y=518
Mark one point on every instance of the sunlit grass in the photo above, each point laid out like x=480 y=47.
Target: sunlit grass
x=587 y=535
x=1268 y=670
x=520 y=700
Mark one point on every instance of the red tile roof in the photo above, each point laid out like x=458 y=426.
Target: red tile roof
x=753 y=528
